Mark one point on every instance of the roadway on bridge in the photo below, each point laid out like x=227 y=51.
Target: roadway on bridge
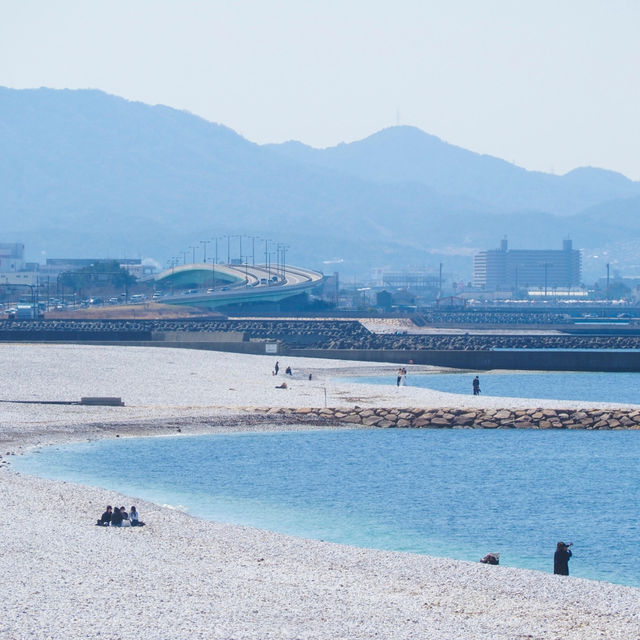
x=222 y=284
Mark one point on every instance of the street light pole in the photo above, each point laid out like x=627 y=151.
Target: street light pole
x=213 y=284
x=204 y=244
x=267 y=255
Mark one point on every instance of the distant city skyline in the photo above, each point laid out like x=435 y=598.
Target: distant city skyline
x=547 y=85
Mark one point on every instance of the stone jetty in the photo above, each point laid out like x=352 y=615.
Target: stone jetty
x=461 y=418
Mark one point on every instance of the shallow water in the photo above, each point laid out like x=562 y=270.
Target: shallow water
x=453 y=493
x=621 y=388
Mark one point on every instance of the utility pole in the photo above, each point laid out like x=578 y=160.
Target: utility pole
x=546 y=270
x=193 y=254
x=607 y=280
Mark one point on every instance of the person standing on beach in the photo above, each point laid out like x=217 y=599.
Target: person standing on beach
x=561 y=559
x=399 y=377
x=276 y=368
x=403 y=376
x=476 y=386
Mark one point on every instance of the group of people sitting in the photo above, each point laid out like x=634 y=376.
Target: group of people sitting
x=119 y=517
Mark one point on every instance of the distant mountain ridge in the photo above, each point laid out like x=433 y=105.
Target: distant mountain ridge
x=407 y=154
x=85 y=173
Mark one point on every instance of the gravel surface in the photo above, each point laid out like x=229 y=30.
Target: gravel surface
x=184 y=578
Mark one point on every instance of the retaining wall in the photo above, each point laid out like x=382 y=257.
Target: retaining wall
x=570 y=360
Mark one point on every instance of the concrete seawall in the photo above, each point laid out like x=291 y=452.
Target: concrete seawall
x=569 y=360
x=448 y=418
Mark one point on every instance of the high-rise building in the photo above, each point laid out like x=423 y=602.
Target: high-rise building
x=507 y=269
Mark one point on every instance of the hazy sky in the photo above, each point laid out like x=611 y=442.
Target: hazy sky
x=550 y=85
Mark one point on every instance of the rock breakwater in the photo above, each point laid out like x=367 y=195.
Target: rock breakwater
x=464 y=418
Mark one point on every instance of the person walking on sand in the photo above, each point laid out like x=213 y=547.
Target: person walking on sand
x=403 y=377
x=476 y=386
x=398 y=377
x=561 y=559
x=276 y=368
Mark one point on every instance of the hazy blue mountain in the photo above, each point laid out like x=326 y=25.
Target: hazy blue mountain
x=83 y=173
x=407 y=154
x=86 y=173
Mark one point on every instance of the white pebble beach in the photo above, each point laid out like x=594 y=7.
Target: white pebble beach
x=180 y=577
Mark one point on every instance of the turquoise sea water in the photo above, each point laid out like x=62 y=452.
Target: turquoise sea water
x=553 y=385
x=452 y=493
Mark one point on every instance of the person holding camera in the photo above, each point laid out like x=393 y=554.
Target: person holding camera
x=561 y=559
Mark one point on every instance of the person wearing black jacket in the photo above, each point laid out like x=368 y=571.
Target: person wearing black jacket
x=116 y=518
x=561 y=559
x=105 y=518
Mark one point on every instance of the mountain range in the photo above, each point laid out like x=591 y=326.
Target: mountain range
x=87 y=174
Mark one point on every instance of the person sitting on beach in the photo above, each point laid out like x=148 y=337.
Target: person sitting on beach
x=125 y=517
x=491 y=558
x=281 y=386
x=133 y=517
x=288 y=371
x=116 y=518
x=105 y=518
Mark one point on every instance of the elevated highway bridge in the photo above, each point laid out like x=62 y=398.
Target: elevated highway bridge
x=206 y=285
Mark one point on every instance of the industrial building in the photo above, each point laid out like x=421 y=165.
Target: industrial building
x=506 y=269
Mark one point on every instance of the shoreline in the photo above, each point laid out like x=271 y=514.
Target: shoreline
x=196 y=578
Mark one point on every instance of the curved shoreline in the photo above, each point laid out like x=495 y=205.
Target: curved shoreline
x=182 y=577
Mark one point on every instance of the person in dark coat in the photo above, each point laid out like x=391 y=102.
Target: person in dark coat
x=561 y=559
x=476 y=386
x=276 y=368
x=105 y=518
x=116 y=518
